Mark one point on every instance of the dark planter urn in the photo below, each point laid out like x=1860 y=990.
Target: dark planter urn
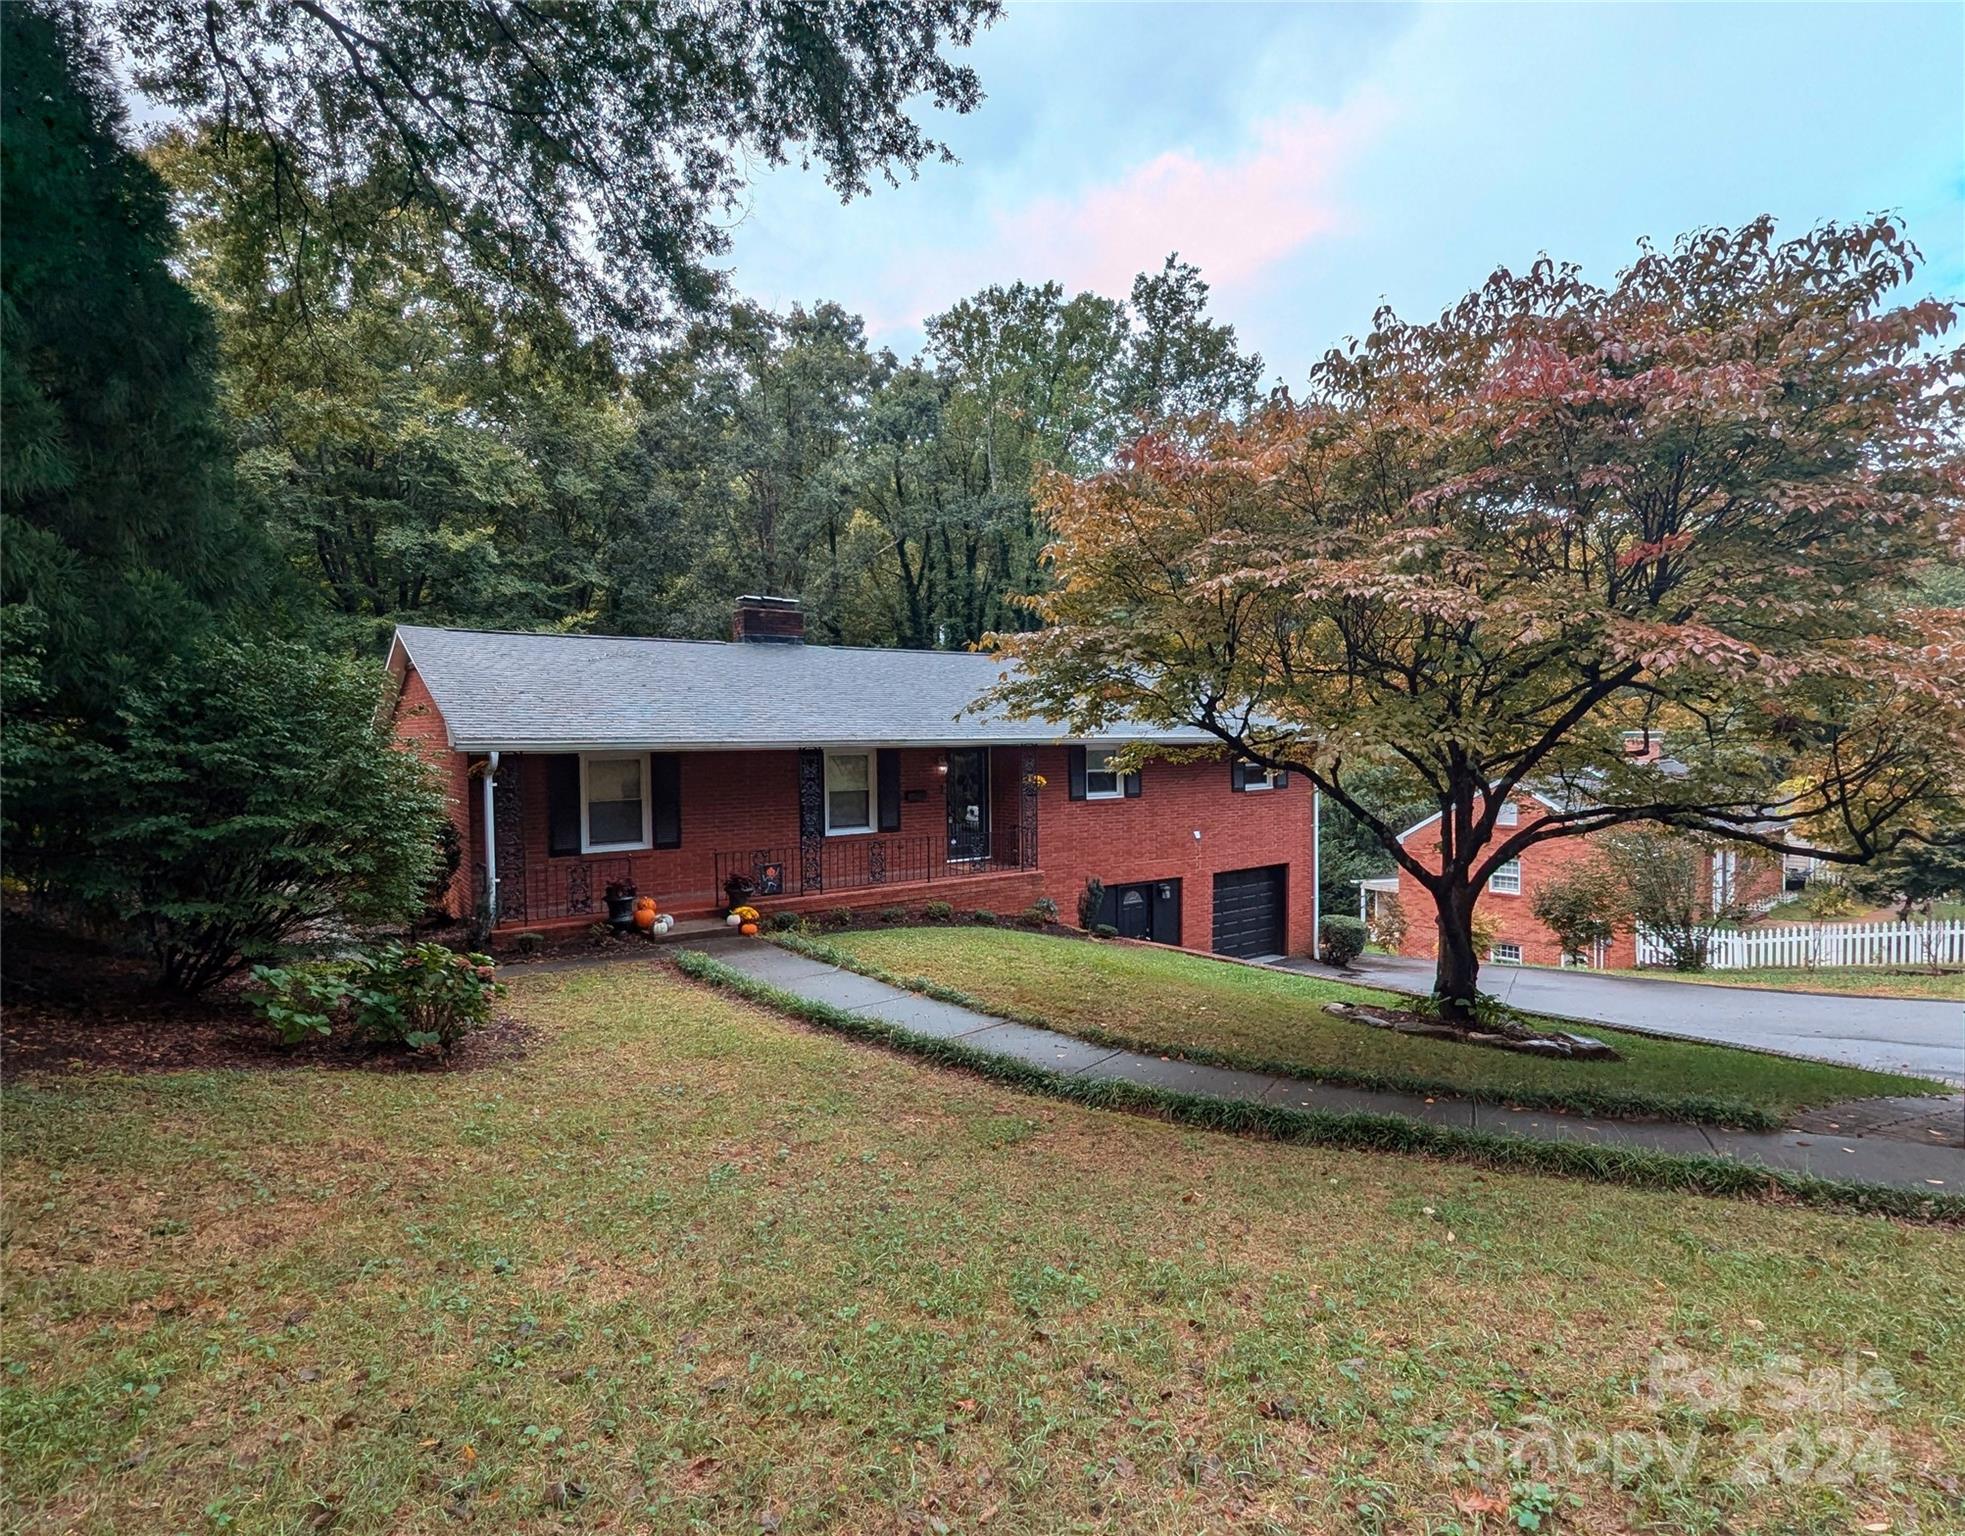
x=621 y=911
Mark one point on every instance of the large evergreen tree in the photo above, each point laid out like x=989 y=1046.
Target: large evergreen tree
x=118 y=527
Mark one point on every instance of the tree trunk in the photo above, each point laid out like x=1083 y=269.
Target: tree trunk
x=1456 y=976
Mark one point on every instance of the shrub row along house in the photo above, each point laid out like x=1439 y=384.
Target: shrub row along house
x=827 y=776
x=1730 y=879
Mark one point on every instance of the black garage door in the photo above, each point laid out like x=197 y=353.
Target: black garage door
x=1248 y=911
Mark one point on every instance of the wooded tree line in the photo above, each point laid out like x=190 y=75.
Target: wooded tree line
x=415 y=456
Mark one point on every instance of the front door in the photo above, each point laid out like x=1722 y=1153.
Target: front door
x=968 y=803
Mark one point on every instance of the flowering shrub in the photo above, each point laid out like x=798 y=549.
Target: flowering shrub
x=420 y=995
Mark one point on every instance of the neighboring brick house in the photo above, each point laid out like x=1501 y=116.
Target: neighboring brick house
x=830 y=776
x=1737 y=878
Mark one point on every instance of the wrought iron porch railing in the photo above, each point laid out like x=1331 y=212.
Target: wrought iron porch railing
x=854 y=864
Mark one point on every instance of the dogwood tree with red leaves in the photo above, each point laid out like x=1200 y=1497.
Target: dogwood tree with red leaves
x=1699 y=501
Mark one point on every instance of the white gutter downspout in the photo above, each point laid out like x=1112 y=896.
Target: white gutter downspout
x=1316 y=872
x=490 y=846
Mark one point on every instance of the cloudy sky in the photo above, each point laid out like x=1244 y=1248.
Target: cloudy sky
x=1318 y=160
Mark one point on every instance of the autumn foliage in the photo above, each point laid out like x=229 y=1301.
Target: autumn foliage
x=1702 y=501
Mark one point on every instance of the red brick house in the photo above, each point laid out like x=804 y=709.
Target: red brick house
x=829 y=776
x=1739 y=878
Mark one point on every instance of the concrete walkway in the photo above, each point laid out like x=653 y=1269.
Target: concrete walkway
x=1924 y=1036
x=1871 y=1159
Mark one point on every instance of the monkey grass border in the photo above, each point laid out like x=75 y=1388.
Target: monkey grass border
x=1636 y=1167
x=1689 y=1109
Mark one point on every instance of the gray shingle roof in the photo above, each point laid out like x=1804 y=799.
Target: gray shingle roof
x=519 y=692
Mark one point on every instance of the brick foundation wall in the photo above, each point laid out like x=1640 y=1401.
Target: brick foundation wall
x=1152 y=838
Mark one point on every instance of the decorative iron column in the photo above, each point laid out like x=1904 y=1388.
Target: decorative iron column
x=508 y=807
x=811 y=820
x=1027 y=811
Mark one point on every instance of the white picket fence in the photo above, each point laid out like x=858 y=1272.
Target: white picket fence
x=1816 y=944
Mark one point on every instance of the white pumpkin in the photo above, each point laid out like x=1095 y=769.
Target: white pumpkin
x=734 y=920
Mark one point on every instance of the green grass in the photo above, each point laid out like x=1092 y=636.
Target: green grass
x=688 y=1266
x=1850 y=980
x=1274 y=1021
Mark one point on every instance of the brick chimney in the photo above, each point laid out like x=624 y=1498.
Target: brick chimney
x=778 y=620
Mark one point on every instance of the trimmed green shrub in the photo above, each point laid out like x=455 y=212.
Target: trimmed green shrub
x=783 y=922
x=299 y=1002
x=893 y=914
x=1091 y=901
x=528 y=943
x=937 y=912
x=840 y=917
x=983 y=916
x=422 y=995
x=1105 y=931
x=1340 y=939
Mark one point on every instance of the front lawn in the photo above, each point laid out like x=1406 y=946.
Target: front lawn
x=1188 y=1005
x=1851 y=980
x=688 y=1266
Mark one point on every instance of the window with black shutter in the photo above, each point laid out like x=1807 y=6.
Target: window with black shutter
x=665 y=782
x=888 y=773
x=562 y=804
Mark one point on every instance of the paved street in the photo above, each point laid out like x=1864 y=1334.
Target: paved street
x=1888 y=1034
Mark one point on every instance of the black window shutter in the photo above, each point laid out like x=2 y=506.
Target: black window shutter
x=1282 y=778
x=888 y=773
x=665 y=798
x=1132 y=786
x=1075 y=757
x=562 y=804
x=1238 y=774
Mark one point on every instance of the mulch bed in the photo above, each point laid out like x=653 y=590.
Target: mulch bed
x=75 y=1006
x=1501 y=1035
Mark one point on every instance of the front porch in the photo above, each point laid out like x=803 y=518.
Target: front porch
x=806 y=829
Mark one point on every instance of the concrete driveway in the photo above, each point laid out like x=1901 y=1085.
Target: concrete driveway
x=1889 y=1034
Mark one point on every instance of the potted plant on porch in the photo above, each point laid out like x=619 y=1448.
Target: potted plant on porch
x=621 y=903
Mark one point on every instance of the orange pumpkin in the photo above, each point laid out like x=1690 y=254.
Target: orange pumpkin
x=645 y=917
x=748 y=929
x=645 y=904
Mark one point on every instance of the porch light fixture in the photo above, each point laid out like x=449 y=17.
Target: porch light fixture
x=941 y=764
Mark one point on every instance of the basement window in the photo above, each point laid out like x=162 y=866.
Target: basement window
x=1505 y=954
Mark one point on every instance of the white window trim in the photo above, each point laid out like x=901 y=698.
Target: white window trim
x=873 y=794
x=1105 y=756
x=1508 y=814
x=1510 y=872
x=1495 y=956
x=587 y=844
x=1256 y=778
